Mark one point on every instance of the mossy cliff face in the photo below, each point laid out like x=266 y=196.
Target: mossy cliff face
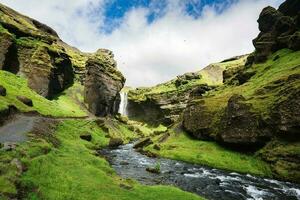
x=165 y=102
x=33 y=50
x=257 y=108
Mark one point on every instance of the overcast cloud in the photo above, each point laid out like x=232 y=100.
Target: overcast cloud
x=148 y=54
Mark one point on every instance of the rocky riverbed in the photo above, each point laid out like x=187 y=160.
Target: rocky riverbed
x=207 y=182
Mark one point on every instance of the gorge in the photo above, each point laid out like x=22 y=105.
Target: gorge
x=70 y=128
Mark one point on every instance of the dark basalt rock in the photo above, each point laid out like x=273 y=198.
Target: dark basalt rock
x=102 y=86
x=115 y=142
x=279 y=29
x=86 y=137
x=2 y=91
x=242 y=128
x=25 y=100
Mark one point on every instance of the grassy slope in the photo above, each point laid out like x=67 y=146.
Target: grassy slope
x=207 y=75
x=63 y=106
x=72 y=171
x=180 y=146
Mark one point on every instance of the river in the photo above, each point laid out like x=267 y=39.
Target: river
x=210 y=183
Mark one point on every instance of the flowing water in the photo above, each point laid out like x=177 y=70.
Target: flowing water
x=210 y=183
x=123 y=103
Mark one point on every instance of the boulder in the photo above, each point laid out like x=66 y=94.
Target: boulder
x=242 y=128
x=2 y=91
x=25 y=100
x=197 y=120
x=143 y=143
x=102 y=85
x=86 y=137
x=6 y=42
x=115 y=142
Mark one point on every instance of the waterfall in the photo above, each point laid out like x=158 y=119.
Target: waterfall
x=123 y=104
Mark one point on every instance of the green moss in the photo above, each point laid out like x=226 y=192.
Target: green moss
x=72 y=171
x=180 y=146
x=64 y=105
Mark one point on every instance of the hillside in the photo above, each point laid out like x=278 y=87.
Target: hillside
x=251 y=104
x=57 y=108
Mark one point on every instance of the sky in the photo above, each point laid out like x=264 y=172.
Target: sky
x=153 y=40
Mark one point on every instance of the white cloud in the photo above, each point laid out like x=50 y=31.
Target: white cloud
x=150 y=54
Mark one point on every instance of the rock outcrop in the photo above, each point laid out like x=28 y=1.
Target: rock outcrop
x=164 y=103
x=102 y=84
x=34 y=50
x=279 y=29
x=241 y=127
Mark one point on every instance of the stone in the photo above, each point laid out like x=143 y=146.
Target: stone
x=102 y=86
x=197 y=120
x=25 y=100
x=86 y=137
x=279 y=29
x=240 y=127
x=156 y=147
x=115 y=142
x=2 y=91
x=153 y=170
x=9 y=146
x=143 y=143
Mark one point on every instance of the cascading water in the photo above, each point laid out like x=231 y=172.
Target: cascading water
x=123 y=103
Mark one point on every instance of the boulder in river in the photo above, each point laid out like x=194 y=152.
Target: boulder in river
x=115 y=142
x=143 y=143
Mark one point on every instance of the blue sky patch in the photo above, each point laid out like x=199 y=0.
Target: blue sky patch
x=115 y=10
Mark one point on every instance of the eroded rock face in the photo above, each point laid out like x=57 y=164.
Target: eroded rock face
x=241 y=127
x=102 y=84
x=197 y=120
x=279 y=29
x=285 y=114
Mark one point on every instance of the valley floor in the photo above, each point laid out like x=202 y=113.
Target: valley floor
x=58 y=164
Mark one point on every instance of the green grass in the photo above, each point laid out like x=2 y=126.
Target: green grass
x=180 y=146
x=63 y=106
x=72 y=171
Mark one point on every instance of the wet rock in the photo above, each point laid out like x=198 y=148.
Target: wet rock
x=153 y=170
x=124 y=163
x=86 y=137
x=115 y=142
x=242 y=128
x=143 y=143
x=2 y=91
x=25 y=100
x=102 y=85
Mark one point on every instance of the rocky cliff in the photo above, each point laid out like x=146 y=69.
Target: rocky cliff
x=248 y=105
x=33 y=50
x=165 y=102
